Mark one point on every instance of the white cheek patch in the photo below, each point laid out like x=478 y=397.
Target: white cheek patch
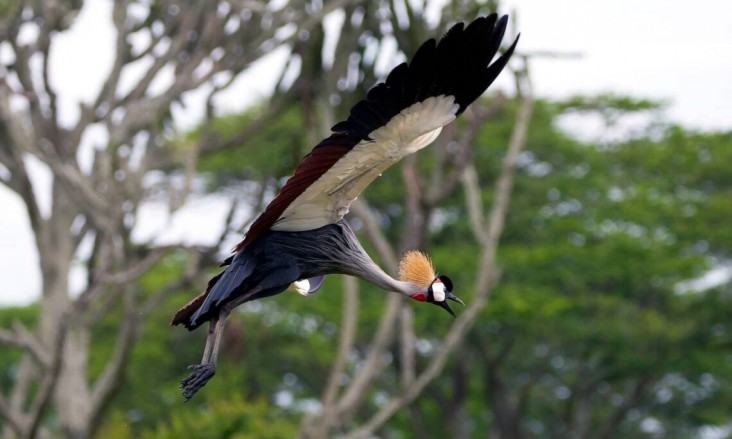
x=438 y=292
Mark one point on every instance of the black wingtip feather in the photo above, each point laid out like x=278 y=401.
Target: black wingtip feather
x=458 y=65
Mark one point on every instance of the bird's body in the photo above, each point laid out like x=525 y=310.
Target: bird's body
x=301 y=236
x=272 y=263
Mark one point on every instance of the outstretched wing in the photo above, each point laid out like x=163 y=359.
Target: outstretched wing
x=400 y=116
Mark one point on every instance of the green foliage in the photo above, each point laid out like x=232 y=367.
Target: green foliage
x=229 y=418
x=9 y=357
x=606 y=103
x=8 y=8
x=597 y=240
x=588 y=313
x=274 y=152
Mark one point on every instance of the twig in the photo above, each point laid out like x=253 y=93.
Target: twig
x=474 y=203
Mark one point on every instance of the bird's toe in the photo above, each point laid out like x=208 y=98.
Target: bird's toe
x=196 y=380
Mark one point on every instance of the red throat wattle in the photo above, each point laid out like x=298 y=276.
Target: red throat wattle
x=419 y=296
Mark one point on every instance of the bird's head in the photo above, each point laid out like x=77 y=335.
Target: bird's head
x=416 y=268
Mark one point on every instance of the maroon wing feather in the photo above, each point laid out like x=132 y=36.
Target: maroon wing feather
x=312 y=166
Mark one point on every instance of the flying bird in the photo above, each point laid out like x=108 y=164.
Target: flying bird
x=302 y=236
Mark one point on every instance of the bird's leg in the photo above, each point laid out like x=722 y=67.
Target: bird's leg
x=204 y=371
x=218 y=335
x=209 y=338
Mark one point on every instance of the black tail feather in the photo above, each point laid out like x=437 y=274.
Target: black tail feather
x=221 y=291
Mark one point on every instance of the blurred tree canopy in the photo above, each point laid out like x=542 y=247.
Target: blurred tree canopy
x=590 y=333
x=594 y=330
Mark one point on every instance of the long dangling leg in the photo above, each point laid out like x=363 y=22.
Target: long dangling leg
x=209 y=340
x=218 y=335
x=204 y=371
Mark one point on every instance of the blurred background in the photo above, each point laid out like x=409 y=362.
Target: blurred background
x=581 y=208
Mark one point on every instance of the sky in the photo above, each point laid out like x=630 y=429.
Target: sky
x=672 y=50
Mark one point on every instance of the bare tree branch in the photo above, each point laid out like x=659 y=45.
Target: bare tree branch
x=48 y=382
x=487 y=273
x=348 y=334
x=444 y=180
x=345 y=344
x=21 y=337
x=14 y=419
x=44 y=41
x=407 y=352
x=371 y=226
x=122 y=278
x=372 y=365
x=474 y=203
x=193 y=272
x=104 y=387
x=19 y=140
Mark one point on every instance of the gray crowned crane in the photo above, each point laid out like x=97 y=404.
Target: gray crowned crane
x=301 y=236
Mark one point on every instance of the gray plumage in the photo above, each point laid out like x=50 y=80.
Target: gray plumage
x=282 y=258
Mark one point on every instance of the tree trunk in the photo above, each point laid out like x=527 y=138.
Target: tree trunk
x=56 y=252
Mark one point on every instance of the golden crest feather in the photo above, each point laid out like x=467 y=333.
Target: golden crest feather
x=416 y=267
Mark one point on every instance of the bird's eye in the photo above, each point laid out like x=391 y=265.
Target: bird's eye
x=448 y=283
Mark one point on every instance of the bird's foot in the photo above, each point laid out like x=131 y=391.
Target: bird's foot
x=197 y=379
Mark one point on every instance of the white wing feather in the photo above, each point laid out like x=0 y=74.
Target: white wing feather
x=328 y=199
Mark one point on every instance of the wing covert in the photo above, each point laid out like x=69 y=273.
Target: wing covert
x=398 y=117
x=310 y=169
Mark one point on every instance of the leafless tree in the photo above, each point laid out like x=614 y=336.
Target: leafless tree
x=96 y=192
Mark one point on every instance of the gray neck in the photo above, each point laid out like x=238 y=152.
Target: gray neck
x=360 y=264
x=371 y=272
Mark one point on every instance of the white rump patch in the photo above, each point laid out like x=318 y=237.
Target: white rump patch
x=301 y=287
